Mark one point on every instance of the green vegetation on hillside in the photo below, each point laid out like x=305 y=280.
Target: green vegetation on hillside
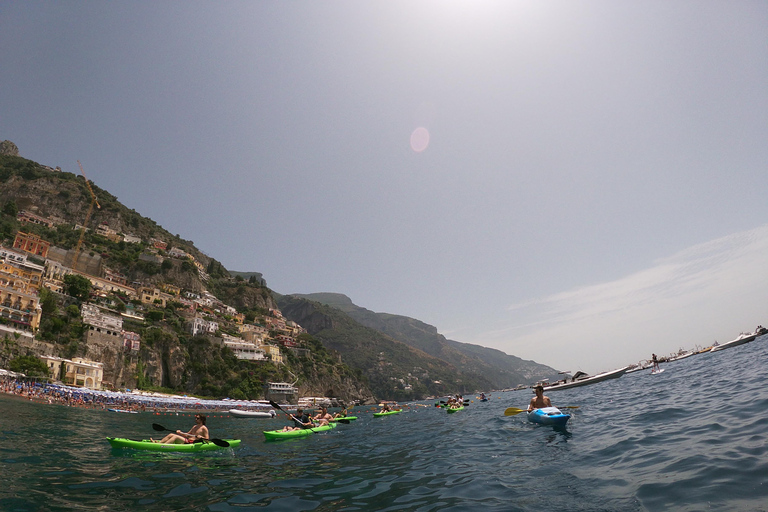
x=394 y=370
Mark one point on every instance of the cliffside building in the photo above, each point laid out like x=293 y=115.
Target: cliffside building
x=77 y=372
x=32 y=244
x=26 y=217
x=100 y=322
x=20 y=281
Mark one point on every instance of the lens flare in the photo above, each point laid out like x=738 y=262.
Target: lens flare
x=419 y=139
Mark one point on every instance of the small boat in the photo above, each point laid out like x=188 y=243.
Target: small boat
x=681 y=356
x=549 y=416
x=583 y=379
x=742 y=339
x=241 y=413
x=147 y=445
x=289 y=434
x=454 y=409
x=127 y=411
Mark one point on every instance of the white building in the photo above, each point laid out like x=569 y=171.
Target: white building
x=202 y=326
x=94 y=317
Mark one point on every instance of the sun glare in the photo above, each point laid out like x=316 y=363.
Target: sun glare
x=419 y=139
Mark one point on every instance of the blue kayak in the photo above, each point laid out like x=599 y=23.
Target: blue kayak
x=548 y=416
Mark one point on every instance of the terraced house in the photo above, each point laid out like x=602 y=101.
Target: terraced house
x=20 y=281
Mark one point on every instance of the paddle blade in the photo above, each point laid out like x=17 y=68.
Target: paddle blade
x=511 y=411
x=217 y=442
x=340 y=420
x=570 y=407
x=159 y=428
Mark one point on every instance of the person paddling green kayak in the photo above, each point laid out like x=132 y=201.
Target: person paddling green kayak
x=198 y=433
x=301 y=421
x=390 y=408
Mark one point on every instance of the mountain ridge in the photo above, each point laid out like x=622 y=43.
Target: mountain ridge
x=502 y=369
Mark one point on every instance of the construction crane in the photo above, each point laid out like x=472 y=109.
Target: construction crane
x=87 y=218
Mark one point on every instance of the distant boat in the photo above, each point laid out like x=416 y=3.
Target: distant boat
x=240 y=413
x=638 y=368
x=681 y=356
x=583 y=379
x=742 y=339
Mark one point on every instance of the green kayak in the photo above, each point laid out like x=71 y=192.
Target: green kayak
x=454 y=409
x=146 y=444
x=377 y=414
x=350 y=418
x=288 y=434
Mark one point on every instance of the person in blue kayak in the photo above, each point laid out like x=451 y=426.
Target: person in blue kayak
x=540 y=400
x=197 y=433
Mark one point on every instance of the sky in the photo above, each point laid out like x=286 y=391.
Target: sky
x=579 y=183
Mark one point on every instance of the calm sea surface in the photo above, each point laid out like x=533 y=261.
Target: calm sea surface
x=692 y=438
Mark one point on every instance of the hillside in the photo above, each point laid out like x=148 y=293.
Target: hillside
x=502 y=370
x=169 y=357
x=393 y=368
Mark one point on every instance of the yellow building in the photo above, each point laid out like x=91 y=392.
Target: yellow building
x=78 y=372
x=19 y=301
x=31 y=274
x=273 y=352
x=151 y=295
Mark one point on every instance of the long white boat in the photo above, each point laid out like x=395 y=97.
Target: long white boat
x=242 y=413
x=742 y=339
x=585 y=380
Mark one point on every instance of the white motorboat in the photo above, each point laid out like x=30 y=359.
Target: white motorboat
x=742 y=339
x=680 y=356
x=584 y=380
x=243 y=413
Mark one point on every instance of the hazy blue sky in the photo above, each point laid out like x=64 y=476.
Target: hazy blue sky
x=580 y=183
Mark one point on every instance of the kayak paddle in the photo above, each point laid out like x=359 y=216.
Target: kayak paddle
x=217 y=442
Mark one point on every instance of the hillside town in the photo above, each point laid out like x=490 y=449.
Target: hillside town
x=33 y=263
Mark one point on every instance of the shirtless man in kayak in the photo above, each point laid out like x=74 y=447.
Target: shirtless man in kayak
x=322 y=417
x=539 y=401
x=198 y=432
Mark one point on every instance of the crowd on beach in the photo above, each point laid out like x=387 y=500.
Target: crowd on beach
x=87 y=398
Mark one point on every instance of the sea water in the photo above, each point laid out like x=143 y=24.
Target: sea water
x=692 y=438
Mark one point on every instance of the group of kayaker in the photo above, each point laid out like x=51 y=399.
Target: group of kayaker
x=303 y=420
x=455 y=402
